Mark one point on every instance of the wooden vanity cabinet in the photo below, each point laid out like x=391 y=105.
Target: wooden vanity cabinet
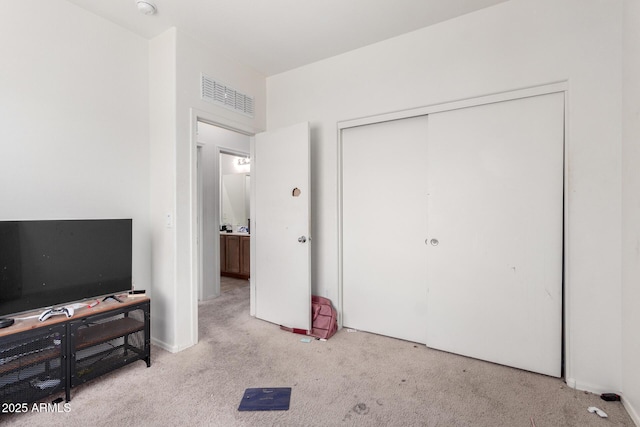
x=245 y=259
x=234 y=256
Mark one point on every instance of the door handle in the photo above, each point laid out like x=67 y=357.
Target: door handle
x=302 y=239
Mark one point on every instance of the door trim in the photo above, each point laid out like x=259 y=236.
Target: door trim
x=553 y=87
x=200 y=216
x=195 y=116
x=457 y=104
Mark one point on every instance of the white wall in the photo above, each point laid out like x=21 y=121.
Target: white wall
x=162 y=104
x=631 y=210
x=512 y=45
x=74 y=122
x=177 y=62
x=213 y=139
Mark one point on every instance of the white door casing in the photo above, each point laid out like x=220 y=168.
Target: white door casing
x=281 y=271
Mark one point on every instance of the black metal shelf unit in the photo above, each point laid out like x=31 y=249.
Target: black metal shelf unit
x=101 y=343
x=46 y=360
x=32 y=364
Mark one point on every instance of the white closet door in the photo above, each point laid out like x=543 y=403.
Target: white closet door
x=495 y=227
x=383 y=212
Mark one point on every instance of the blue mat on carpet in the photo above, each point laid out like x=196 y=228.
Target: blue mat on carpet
x=266 y=399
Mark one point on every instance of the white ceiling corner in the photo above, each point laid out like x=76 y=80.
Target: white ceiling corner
x=278 y=35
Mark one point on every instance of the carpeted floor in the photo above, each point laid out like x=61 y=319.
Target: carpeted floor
x=230 y=283
x=354 y=378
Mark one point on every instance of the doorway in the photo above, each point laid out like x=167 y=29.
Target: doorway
x=214 y=142
x=234 y=205
x=293 y=144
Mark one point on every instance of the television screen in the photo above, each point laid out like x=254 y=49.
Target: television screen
x=54 y=262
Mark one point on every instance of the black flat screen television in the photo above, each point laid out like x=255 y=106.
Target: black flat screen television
x=54 y=262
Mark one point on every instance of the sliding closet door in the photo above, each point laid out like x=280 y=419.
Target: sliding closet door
x=494 y=232
x=383 y=213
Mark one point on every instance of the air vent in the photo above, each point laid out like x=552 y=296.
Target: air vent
x=226 y=96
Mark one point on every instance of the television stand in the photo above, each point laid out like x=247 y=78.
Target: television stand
x=40 y=359
x=114 y=297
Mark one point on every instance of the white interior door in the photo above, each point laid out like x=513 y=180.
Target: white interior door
x=383 y=221
x=281 y=226
x=494 y=232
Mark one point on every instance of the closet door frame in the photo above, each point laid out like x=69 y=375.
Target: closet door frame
x=557 y=87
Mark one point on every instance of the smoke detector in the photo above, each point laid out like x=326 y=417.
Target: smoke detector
x=146 y=7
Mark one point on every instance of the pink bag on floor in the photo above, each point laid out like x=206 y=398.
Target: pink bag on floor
x=324 y=319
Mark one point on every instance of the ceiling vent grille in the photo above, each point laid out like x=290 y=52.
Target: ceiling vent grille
x=226 y=96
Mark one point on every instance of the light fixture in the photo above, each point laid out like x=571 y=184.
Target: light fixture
x=146 y=7
x=244 y=161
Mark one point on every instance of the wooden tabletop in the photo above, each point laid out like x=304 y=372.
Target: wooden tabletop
x=34 y=323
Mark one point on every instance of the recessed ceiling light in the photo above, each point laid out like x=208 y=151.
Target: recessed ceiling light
x=146 y=7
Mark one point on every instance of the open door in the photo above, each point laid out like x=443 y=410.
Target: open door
x=280 y=227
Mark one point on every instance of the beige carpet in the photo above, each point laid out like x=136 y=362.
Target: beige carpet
x=230 y=283
x=355 y=378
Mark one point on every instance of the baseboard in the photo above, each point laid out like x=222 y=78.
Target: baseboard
x=170 y=348
x=571 y=382
x=163 y=345
x=633 y=413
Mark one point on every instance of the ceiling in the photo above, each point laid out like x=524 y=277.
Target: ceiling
x=272 y=36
